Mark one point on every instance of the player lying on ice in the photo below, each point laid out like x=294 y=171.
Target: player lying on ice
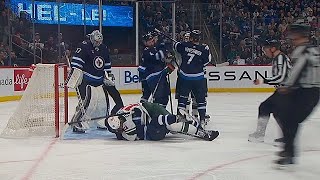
x=150 y=121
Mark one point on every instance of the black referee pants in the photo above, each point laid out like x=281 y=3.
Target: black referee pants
x=297 y=106
x=271 y=105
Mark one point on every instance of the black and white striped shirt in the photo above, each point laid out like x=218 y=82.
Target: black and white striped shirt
x=306 y=67
x=281 y=66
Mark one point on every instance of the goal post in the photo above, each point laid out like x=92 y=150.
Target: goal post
x=43 y=106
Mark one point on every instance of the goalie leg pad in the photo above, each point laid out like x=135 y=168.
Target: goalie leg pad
x=84 y=93
x=98 y=104
x=183 y=127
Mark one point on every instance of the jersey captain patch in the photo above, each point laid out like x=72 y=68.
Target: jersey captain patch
x=98 y=62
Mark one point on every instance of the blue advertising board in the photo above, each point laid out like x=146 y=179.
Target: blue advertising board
x=75 y=14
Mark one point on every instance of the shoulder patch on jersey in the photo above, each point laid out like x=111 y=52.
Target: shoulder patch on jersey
x=207 y=47
x=84 y=42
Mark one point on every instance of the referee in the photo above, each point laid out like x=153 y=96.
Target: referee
x=301 y=89
x=281 y=65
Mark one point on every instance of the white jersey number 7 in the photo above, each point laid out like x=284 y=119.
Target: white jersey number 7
x=191 y=57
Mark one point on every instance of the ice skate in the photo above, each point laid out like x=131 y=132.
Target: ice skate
x=285 y=161
x=279 y=140
x=203 y=123
x=256 y=137
x=78 y=128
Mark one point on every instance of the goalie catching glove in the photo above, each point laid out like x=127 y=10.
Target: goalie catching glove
x=109 y=79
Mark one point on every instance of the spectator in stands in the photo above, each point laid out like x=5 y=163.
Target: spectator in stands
x=50 y=51
x=232 y=54
x=272 y=19
x=4 y=27
x=2 y=5
x=13 y=60
x=37 y=41
x=3 y=56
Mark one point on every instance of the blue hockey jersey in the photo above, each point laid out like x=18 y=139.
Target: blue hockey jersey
x=93 y=61
x=194 y=59
x=152 y=63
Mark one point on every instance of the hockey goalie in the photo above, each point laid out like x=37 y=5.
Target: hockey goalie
x=90 y=71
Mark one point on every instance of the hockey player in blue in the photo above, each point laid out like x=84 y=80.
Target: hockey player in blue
x=154 y=70
x=150 y=121
x=194 y=58
x=90 y=68
x=146 y=92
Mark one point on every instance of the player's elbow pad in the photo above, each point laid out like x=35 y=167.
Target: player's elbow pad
x=75 y=78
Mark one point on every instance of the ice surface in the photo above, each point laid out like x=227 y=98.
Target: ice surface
x=101 y=157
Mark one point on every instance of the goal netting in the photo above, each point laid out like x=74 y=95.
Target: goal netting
x=43 y=105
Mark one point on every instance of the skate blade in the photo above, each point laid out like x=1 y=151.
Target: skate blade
x=255 y=140
x=284 y=167
x=277 y=144
x=287 y=167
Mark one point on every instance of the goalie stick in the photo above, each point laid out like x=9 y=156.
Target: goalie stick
x=199 y=137
x=214 y=64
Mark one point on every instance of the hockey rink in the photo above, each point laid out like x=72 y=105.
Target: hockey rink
x=178 y=157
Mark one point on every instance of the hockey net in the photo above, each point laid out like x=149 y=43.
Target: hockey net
x=43 y=106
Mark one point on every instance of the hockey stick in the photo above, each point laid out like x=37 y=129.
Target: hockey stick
x=213 y=63
x=155 y=89
x=170 y=97
x=196 y=136
x=66 y=126
x=98 y=118
x=165 y=35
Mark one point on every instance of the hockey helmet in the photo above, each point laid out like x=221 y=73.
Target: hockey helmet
x=195 y=35
x=147 y=37
x=302 y=29
x=271 y=43
x=96 y=38
x=113 y=123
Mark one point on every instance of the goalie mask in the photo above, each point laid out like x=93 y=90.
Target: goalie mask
x=96 y=38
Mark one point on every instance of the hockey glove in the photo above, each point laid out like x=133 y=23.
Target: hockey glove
x=75 y=78
x=170 y=68
x=256 y=81
x=109 y=79
x=169 y=58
